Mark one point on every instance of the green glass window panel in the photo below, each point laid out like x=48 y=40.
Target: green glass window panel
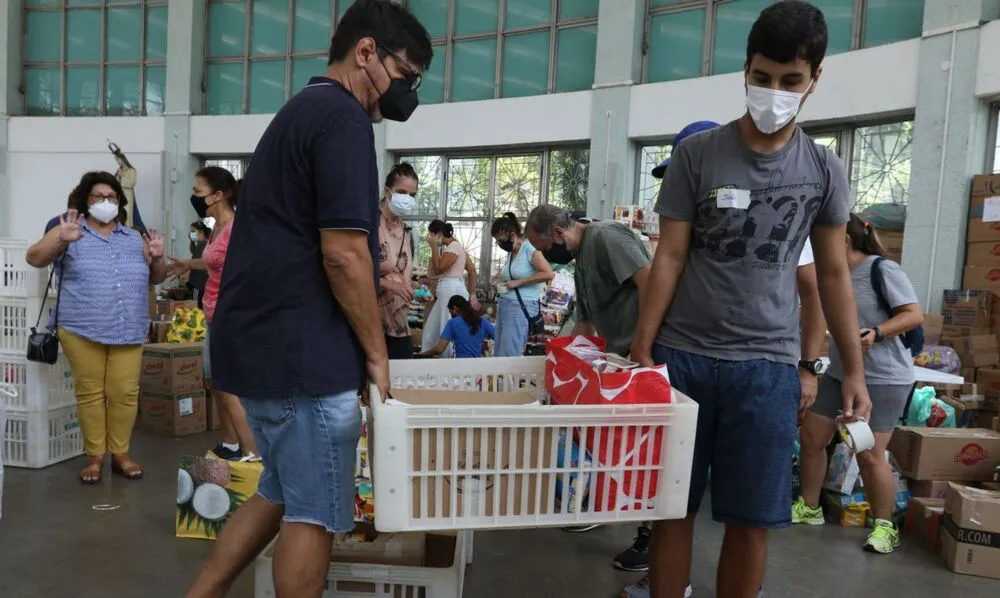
x=42 y=33
x=577 y=9
x=304 y=69
x=476 y=16
x=525 y=65
x=576 y=54
x=732 y=26
x=527 y=13
x=226 y=29
x=342 y=6
x=839 y=23
x=123 y=34
x=156 y=89
x=433 y=14
x=156 y=32
x=43 y=2
x=122 y=91
x=83 y=2
x=312 y=30
x=225 y=88
x=432 y=86
x=669 y=2
x=473 y=70
x=83 y=94
x=269 y=28
x=41 y=91
x=83 y=36
x=675 y=45
x=267 y=86
x=888 y=21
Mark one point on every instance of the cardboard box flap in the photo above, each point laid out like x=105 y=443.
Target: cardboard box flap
x=970 y=433
x=461 y=397
x=172 y=349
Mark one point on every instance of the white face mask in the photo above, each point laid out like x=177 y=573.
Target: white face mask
x=193 y=237
x=772 y=109
x=402 y=204
x=104 y=211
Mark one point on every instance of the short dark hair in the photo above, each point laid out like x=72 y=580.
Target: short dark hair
x=789 y=30
x=220 y=179
x=506 y=224
x=392 y=26
x=81 y=193
x=441 y=227
x=201 y=227
x=403 y=170
x=863 y=237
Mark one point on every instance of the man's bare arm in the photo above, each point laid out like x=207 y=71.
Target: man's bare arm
x=349 y=268
x=836 y=293
x=813 y=322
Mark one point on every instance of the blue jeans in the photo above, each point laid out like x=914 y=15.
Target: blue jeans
x=747 y=419
x=512 y=326
x=308 y=447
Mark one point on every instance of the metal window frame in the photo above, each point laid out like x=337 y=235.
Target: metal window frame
x=103 y=7
x=993 y=139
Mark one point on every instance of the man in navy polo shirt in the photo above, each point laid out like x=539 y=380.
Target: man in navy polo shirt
x=297 y=331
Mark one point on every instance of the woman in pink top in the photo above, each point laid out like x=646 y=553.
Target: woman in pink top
x=215 y=193
x=457 y=273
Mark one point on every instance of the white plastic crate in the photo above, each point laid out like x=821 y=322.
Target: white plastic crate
x=515 y=485
x=17 y=316
x=357 y=580
x=17 y=278
x=40 y=439
x=39 y=386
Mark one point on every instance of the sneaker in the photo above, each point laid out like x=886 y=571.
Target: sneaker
x=803 y=513
x=227 y=454
x=636 y=556
x=640 y=589
x=884 y=537
x=579 y=529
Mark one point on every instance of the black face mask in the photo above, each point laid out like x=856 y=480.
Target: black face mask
x=558 y=254
x=200 y=206
x=399 y=101
x=507 y=245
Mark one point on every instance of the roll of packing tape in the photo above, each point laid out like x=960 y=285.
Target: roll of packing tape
x=858 y=435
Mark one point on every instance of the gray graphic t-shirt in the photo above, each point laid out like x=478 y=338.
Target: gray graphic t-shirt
x=751 y=214
x=888 y=362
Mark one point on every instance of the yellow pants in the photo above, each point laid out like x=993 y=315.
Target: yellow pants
x=106 y=378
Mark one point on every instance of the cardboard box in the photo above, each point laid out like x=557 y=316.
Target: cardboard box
x=966 y=307
x=980 y=230
x=952 y=454
x=173 y=415
x=967 y=410
x=982 y=253
x=949 y=333
x=970 y=531
x=923 y=520
x=929 y=488
x=165 y=308
x=848 y=510
x=892 y=243
x=172 y=369
x=364 y=545
x=492 y=451
x=158 y=330
x=933 y=325
x=981 y=277
x=988 y=381
x=977 y=351
x=985 y=184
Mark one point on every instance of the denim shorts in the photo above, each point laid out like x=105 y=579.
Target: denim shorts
x=309 y=448
x=747 y=420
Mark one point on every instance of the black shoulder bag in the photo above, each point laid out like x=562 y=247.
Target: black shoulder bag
x=536 y=324
x=43 y=347
x=911 y=339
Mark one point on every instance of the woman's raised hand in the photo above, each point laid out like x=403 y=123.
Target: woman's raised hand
x=69 y=227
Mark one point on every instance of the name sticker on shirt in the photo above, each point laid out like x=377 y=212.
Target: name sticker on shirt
x=732 y=198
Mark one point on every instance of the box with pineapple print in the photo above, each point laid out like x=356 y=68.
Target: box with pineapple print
x=209 y=491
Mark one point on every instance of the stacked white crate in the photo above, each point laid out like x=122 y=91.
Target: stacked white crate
x=42 y=427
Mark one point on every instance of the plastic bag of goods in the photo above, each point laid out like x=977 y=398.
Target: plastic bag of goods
x=939 y=358
x=578 y=483
x=928 y=410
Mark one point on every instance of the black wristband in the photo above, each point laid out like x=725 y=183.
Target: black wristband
x=879 y=337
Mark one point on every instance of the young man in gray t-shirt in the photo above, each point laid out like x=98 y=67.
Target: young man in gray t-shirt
x=736 y=207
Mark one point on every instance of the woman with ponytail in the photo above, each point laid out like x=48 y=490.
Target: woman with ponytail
x=456 y=274
x=887 y=308
x=215 y=194
x=524 y=274
x=466 y=330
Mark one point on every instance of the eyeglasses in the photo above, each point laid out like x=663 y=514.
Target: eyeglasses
x=108 y=196
x=412 y=75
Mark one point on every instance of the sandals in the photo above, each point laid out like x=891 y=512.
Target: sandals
x=91 y=474
x=127 y=468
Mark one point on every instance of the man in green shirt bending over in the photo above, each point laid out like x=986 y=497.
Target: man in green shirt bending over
x=612 y=265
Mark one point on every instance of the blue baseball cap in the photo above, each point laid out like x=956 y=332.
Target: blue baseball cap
x=691 y=129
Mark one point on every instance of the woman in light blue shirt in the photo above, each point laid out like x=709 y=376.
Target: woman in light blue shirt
x=524 y=274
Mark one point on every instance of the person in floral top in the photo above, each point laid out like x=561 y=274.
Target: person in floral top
x=395 y=240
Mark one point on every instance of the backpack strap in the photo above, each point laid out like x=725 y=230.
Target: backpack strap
x=878 y=285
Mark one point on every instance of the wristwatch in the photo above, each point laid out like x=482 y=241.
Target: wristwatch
x=813 y=366
x=879 y=337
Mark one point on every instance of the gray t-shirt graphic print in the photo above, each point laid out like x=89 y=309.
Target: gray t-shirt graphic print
x=751 y=215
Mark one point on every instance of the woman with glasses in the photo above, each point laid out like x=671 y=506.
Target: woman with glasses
x=102 y=314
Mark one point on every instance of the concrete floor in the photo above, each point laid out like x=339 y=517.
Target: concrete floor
x=54 y=544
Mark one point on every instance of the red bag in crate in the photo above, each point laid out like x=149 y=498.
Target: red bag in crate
x=573 y=380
